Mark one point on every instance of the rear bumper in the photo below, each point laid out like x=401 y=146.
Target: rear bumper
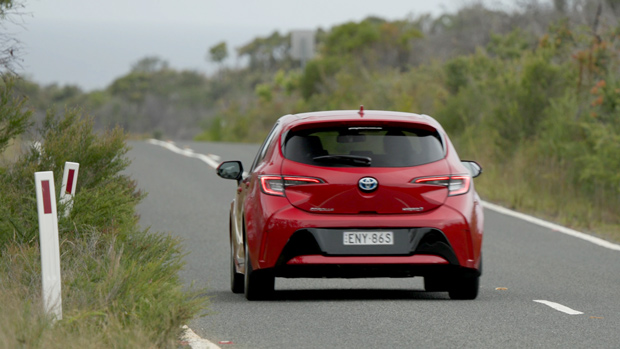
x=290 y=233
x=319 y=252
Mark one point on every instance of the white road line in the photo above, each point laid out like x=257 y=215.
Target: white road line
x=208 y=160
x=195 y=341
x=560 y=307
x=211 y=160
x=552 y=226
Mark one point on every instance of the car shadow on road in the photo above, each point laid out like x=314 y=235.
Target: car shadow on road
x=355 y=295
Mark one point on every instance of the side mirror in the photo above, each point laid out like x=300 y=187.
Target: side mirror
x=473 y=167
x=230 y=170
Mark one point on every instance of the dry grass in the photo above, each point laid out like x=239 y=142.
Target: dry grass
x=13 y=151
x=533 y=192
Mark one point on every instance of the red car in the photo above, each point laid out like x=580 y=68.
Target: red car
x=356 y=194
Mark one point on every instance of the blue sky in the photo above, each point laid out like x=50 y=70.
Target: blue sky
x=90 y=43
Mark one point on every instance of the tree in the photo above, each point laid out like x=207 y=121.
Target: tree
x=353 y=37
x=218 y=53
x=614 y=5
x=560 y=5
x=149 y=65
x=14 y=117
x=9 y=46
x=267 y=53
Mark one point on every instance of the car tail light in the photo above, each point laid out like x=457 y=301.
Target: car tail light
x=457 y=185
x=275 y=185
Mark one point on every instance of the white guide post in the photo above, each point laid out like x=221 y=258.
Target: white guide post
x=48 y=240
x=69 y=182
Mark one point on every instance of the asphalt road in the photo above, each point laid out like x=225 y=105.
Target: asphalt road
x=523 y=262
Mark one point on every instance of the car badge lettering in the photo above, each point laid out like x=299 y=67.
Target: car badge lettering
x=368 y=184
x=321 y=209
x=414 y=209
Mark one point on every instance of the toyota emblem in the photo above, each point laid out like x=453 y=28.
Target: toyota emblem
x=368 y=184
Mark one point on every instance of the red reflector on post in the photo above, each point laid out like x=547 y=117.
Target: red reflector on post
x=70 y=181
x=47 y=198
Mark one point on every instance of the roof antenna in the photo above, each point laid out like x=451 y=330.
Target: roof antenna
x=361 y=112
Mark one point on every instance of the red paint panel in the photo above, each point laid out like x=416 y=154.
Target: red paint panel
x=70 y=181
x=416 y=259
x=47 y=197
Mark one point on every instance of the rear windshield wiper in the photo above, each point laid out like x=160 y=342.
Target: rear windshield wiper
x=355 y=160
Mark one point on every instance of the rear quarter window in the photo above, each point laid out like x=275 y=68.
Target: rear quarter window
x=383 y=146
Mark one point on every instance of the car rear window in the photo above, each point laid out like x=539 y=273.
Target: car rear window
x=364 y=146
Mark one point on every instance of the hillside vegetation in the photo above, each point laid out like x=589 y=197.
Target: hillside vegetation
x=533 y=95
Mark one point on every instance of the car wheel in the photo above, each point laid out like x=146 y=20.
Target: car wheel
x=236 y=279
x=465 y=288
x=259 y=284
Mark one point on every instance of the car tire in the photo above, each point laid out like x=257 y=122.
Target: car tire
x=436 y=284
x=258 y=284
x=236 y=279
x=465 y=288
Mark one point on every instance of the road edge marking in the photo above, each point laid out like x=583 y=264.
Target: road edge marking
x=195 y=341
x=552 y=226
x=559 y=307
x=208 y=159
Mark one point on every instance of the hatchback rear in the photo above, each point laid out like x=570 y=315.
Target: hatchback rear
x=352 y=194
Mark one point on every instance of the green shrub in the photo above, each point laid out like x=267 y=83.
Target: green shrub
x=105 y=197
x=120 y=285
x=14 y=120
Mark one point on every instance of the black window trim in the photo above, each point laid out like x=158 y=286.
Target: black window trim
x=260 y=155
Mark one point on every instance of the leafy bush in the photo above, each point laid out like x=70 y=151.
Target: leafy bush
x=14 y=120
x=549 y=145
x=105 y=198
x=120 y=284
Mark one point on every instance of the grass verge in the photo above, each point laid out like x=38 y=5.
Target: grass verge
x=559 y=203
x=115 y=294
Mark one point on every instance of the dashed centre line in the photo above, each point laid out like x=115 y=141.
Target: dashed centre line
x=560 y=307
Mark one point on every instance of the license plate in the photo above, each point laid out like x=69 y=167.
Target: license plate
x=368 y=238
